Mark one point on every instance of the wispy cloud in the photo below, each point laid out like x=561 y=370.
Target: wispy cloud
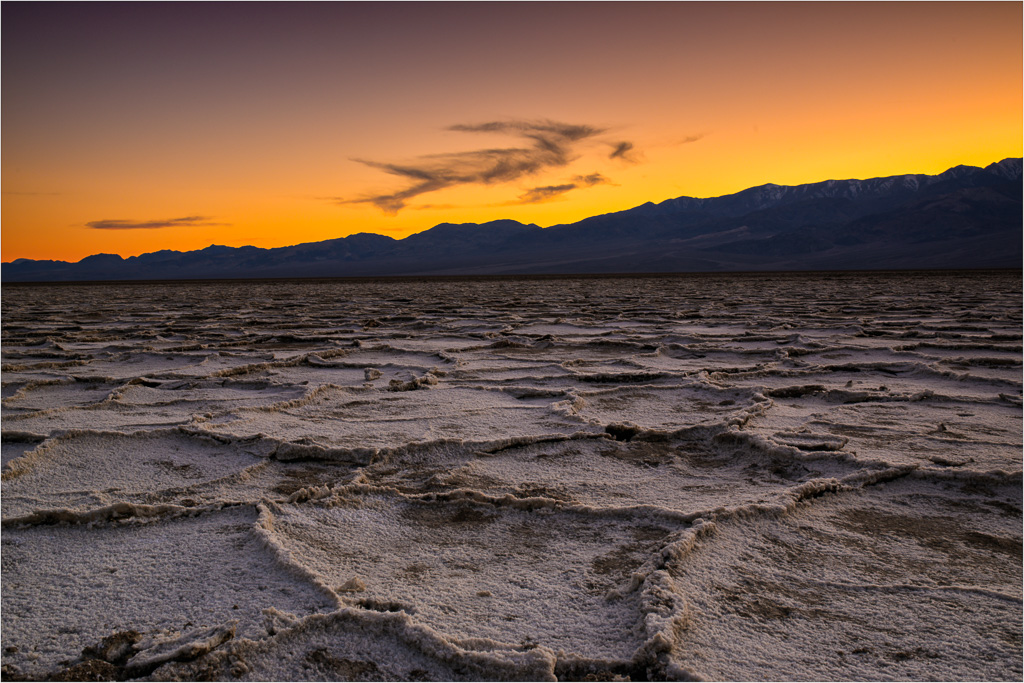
x=543 y=194
x=623 y=150
x=691 y=138
x=551 y=144
x=436 y=207
x=592 y=179
x=187 y=221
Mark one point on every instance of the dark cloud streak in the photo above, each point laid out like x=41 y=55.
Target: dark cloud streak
x=187 y=221
x=691 y=138
x=538 y=130
x=543 y=194
x=621 y=151
x=592 y=179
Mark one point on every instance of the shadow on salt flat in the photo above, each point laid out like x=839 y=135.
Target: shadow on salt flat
x=110 y=416
x=67 y=587
x=376 y=355
x=567 y=330
x=91 y=469
x=908 y=580
x=141 y=363
x=14 y=448
x=344 y=418
x=61 y=393
x=851 y=379
x=191 y=397
x=360 y=645
x=310 y=375
x=666 y=408
x=678 y=476
x=471 y=570
x=985 y=436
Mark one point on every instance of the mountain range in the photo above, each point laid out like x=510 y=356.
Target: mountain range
x=966 y=217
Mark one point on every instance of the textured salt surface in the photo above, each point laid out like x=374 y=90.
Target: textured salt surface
x=727 y=477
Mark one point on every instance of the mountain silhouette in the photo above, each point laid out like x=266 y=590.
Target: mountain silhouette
x=966 y=217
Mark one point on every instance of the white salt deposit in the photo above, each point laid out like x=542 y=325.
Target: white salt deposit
x=725 y=477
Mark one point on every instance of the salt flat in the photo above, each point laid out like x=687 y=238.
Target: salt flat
x=790 y=477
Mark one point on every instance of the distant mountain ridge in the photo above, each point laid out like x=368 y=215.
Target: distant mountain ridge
x=966 y=217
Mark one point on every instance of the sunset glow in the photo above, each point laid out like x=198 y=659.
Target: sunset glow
x=130 y=128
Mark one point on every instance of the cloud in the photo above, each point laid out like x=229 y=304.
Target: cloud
x=592 y=179
x=542 y=194
x=187 y=221
x=691 y=138
x=436 y=207
x=550 y=144
x=621 y=150
x=533 y=129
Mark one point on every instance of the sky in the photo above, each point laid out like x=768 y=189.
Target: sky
x=134 y=127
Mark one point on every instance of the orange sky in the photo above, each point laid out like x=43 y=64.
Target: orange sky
x=130 y=128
